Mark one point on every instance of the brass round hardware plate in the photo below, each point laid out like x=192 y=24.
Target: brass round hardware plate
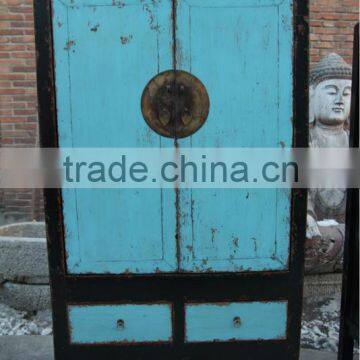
x=175 y=104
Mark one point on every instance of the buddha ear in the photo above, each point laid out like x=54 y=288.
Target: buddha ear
x=311 y=104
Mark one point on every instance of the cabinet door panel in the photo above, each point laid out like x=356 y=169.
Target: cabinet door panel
x=105 y=53
x=245 y=62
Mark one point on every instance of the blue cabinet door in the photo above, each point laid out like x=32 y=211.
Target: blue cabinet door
x=105 y=53
x=242 y=52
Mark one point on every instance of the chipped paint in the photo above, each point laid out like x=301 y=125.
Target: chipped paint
x=118 y=3
x=125 y=39
x=213 y=233
x=236 y=241
x=69 y=45
x=95 y=28
x=285 y=23
x=149 y=10
x=255 y=244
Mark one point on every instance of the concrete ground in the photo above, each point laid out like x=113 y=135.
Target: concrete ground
x=40 y=348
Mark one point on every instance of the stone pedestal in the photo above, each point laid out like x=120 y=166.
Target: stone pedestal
x=319 y=286
x=24 y=274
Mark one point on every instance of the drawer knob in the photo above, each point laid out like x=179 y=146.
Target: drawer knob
x=120 y=324
x=237 y=321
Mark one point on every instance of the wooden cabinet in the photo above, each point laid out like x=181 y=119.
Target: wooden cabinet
x=203 y=273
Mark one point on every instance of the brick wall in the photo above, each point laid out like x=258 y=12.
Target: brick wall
x=331 y=28
x=18 y=106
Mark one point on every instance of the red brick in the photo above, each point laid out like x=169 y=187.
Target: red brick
x=22 y=39
x=23 y=55
x=16 y=134
x=27 y=141
x=12 y=76
x=22 y=24
x=5 y=84
x=29 y=126
x=6 y=141
x=8 y=16
x=29 y=84
x=11 y=48
x=21 y=10
x=26 y=97
x=11 y=32
x=23 y=69
x=18 y=105
x=8 y=91
x=4 y=112
x=11 y=120
x=6 y=127
x=4 y=39
x=23 y=112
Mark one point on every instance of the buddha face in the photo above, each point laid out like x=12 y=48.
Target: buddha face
x=331 y=101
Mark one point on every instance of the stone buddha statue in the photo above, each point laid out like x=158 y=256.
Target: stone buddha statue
x=330 y=97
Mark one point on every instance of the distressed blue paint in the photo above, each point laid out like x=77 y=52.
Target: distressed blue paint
x=105 y=53
x=104 y=56
x=99 y=324
x=215 y=322
x=242 y=52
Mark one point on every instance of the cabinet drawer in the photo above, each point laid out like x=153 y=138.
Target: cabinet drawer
x=128 y=323
x=236 y=321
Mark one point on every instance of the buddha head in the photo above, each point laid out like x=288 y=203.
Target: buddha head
x=330 y=91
